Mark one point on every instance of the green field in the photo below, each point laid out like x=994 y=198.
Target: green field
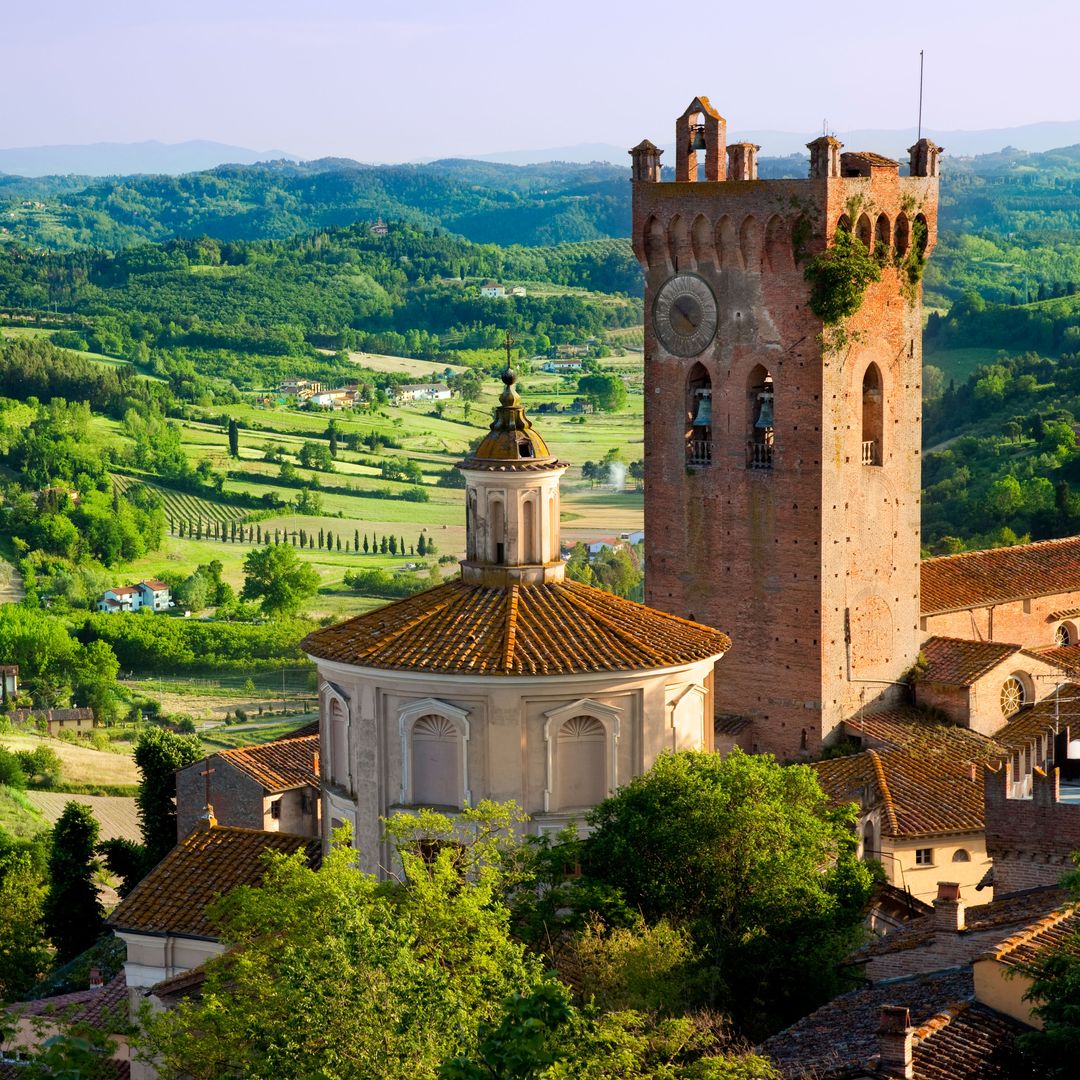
x=181 y=506
x=958 y=364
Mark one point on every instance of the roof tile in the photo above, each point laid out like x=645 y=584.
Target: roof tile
x=556 y=628
x=278 y=766
x=960 y=662
x=207 y=863
x=977 y=578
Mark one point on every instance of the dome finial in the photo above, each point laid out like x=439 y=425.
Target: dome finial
x=509 y=396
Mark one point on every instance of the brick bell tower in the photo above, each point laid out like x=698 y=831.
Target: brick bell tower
x=782 y=455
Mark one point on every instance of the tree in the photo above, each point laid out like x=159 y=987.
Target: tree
x=234 y=439
x=391 y=979
x=747 y=854
x=607 y=393
x=279 y=578
x=365 y=544
x=74 y=917
x=24 y=953
x=1055 y=998
x=315 y=455
x=421 y=545
x=158 y=754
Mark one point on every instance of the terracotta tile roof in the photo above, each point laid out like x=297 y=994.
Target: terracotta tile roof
x=557 y=628
x=904 y=727
x=154 y=585
x=174 y=896
x=278 y=766
x=967 y=1041
x=1057 y=930
x=977 y=578
x=871 y=158
x=303 y=732
x=959 y=662
x=1046 y=717
x=1007 y=914
x=183 y=984
x=1067 y=613
x=1066 y=657
x=920 y=793
x=840 y=1038
x=102 y=1007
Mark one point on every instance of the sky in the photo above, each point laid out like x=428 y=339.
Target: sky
x=420 y=79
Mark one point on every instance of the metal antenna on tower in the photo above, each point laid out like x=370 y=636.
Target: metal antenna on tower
x=919 y=136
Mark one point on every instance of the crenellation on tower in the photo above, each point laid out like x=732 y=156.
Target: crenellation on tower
x=781 y=455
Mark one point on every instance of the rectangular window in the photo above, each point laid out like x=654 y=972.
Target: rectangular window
x=275 y=809
x=924 y=856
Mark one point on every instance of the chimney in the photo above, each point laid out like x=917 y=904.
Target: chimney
x=972 y=771
x=96 y=981
x=894 y=1041
x=207 y=819
x=949 y=908
x=315 y=764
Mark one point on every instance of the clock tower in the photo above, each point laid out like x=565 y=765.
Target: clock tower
x=782 y=419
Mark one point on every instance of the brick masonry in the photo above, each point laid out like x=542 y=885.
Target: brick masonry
x=1030 y=840
x=811 y=566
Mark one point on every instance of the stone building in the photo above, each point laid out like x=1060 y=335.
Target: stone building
x=271 y=786
x=512 y=682
x=782 y=456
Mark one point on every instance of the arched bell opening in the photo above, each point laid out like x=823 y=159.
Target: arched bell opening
x=701 y=240
x=843 y=224
x=882 y=238
x=679 y=244
x=698 y=418
x=760 y=394
x=656 y=247
x=921 y=235
x=873 y=416
x=497 y=516
x=863 y=230
x=903 y=236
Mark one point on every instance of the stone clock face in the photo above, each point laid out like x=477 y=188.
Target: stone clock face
x=684 y=314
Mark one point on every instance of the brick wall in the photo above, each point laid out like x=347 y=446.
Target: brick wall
x=811 y=566
x=1023 y=622
x=1030 y=840
x=236 y=798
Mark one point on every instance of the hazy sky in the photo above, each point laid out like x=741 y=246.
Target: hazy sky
x=426 y=78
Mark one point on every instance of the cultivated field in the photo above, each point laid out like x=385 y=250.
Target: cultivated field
x=116 y=814
x=179 y=505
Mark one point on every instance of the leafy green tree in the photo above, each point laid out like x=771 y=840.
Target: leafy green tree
x=74 y=917
x=24 y=952
x=158 y=754
x=279 y=579
x=606 y=392
x=1055 y=998
x=391 y=979
x=749 y=855
x=316 y=455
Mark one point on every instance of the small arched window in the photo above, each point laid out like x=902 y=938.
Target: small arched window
x=881 y=238
x=903 y=235
x=869 y=844
x=863 y=230
x=873 y=416
x=1013 y=696
x=582 y=765
x=760 y=395
x=1062 y=635
x=528 y=527
x=961 y=855
x=498 y=531
x=338 y=722
x=844 y=224
x=436 y=762
x=699 y=432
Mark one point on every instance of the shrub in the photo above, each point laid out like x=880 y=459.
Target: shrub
x=11 y=770
x=839 y=277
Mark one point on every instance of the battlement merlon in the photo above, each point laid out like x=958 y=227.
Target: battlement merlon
x=860 y=191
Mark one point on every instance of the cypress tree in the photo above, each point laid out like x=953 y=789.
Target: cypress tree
x=401 y=544
x=366 y=548
x=329 y=540
x=384 y=545
x=421 y=545
x=356 y=540
x=234 y=439
x=322 y=537
x=393 y=545
x=258 y=534
x=74 y=917
x=338 y=539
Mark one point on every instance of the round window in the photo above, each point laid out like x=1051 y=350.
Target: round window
x=1012 y=696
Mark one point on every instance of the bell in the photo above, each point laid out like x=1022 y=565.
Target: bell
x=698 y=141
x=703 y=418
x=765 y=417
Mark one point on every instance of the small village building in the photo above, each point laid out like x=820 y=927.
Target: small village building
x=301 y=389
x=510 y=683
x=344 y=397
x=163 y=922
x=565 y=366
x=421 y=392
x=271 y=786
x=151 y=595
x=492 y=291
x=78 y=721
x=9 y=682
x=380 y=228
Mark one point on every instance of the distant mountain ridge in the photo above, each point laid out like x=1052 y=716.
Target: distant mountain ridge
x=127 y=159
x=1034 y=138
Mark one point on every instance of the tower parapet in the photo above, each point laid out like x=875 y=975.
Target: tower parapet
x=782 y=452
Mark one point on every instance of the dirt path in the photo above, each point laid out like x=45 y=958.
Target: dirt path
x=11 y=585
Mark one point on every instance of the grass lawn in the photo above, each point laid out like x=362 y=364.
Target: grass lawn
x=18 y=816
x=225 y=738
x=958 y=364
x=81 y=764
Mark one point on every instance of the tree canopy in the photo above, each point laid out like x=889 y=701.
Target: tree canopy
x=278 y=577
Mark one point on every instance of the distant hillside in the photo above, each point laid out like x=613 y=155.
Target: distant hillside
x=125 y=159
x=1010 y=220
